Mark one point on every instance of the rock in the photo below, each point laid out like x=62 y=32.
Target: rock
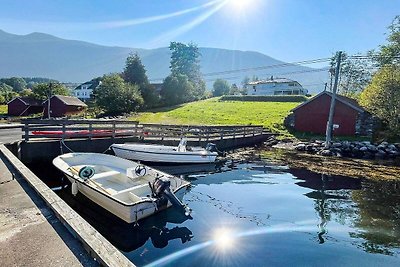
x=380 y=147
x=392 y=147
x=372 y=148
x=380 y=154
x=368 y=155
x=363 y=149
x=335 y=150
x=325 y=153
x=366 y=143
x=346 y=144
x=384 y=143
x=337 y=145
x=300 y=147
x=309 y=148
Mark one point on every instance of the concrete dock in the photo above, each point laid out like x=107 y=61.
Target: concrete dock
x=30 y=233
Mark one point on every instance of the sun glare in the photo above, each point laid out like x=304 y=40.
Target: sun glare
x=223 y=238
x=241 y=5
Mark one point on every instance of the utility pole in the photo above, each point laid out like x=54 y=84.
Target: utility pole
x=48 y=101
x=329 y=125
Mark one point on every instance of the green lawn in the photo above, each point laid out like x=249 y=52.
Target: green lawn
x=214 y=112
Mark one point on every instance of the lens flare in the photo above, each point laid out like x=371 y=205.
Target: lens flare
x=224 y=238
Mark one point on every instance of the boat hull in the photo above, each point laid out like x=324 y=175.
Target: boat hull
x=128 y=213
x=164 y=156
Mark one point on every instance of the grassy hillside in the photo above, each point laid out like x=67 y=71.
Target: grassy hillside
x=214 y=112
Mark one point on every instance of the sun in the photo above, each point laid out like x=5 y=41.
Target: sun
x=242 y=7
x=239 y=4
x=223 y=238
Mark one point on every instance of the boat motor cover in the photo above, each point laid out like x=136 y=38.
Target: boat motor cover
x=159 y=186
x=161 y=189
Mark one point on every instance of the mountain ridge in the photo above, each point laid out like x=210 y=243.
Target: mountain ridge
x=44 y=55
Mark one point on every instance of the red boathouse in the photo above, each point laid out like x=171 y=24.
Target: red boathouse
x=61 y=106
x=349 y=117
x=24 y=106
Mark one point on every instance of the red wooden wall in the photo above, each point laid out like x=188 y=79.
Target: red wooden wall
x=313 y=116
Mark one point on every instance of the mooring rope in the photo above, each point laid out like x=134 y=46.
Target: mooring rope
x=62 y=143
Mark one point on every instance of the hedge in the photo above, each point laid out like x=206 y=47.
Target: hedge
x=265 y=98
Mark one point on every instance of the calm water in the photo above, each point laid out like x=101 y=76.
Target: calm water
x=258 y=214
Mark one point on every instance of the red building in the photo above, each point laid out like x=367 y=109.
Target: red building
x=349 y=117
x=24 y=106
x=61 y=106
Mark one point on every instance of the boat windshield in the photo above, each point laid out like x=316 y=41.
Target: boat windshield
x=182 y=145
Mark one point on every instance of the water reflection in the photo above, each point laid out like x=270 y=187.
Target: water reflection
x=371 y=208
x=378 y=217
x=265 y=211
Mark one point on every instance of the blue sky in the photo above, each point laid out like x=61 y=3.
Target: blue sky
x=289 y=30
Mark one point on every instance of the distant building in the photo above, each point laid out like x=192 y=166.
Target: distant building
x=24 y=106
x=61 y=106
x=85 y=90
x=276 y=86
x=349 y=117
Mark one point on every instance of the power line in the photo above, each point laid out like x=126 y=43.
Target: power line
x=290 y=64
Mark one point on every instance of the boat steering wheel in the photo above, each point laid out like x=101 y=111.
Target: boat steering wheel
x=140 y=170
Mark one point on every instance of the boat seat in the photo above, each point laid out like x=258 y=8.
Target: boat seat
x=104 y=174
x=134 y=197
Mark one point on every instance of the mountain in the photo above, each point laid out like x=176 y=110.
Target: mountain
x=44 y=55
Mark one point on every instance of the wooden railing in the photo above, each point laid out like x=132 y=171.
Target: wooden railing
x=89 y=129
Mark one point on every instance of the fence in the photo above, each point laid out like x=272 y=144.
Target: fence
x=89 y=129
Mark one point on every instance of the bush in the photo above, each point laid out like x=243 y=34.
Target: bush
x=265 y=98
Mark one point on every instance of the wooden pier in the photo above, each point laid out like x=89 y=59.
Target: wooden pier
x=34 y=129
x=62 y=136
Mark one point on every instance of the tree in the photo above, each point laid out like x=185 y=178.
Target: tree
x=382 y=97
x=245 y=81
x=355 y=74
x=388 y=54
x=116 y=97
x=134 y=71
x=26 y=93
x=135 y=74
x=220 y=87
x=41 y=91
x=18 y=84
x=176 y=89
x=234 y=90
x=185 y=60
x=6 y=93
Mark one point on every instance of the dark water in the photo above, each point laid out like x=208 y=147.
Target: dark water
x=258 y=214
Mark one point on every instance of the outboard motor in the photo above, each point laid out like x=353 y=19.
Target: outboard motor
x=213 y=148
x=162 y=189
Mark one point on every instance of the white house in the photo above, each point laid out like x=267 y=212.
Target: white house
x=276 y=86
x=85 y=90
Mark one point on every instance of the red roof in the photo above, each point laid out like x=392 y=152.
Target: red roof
x=345 y=100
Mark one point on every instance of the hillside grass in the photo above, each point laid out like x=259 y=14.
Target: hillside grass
x=215 y=112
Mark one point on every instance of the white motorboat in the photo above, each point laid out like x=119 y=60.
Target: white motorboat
x=127 y=189
x=161 y=153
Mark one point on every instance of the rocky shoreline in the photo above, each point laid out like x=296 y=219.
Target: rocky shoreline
x=349 y=149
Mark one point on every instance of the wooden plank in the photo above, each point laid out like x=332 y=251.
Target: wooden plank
x=99 y=247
